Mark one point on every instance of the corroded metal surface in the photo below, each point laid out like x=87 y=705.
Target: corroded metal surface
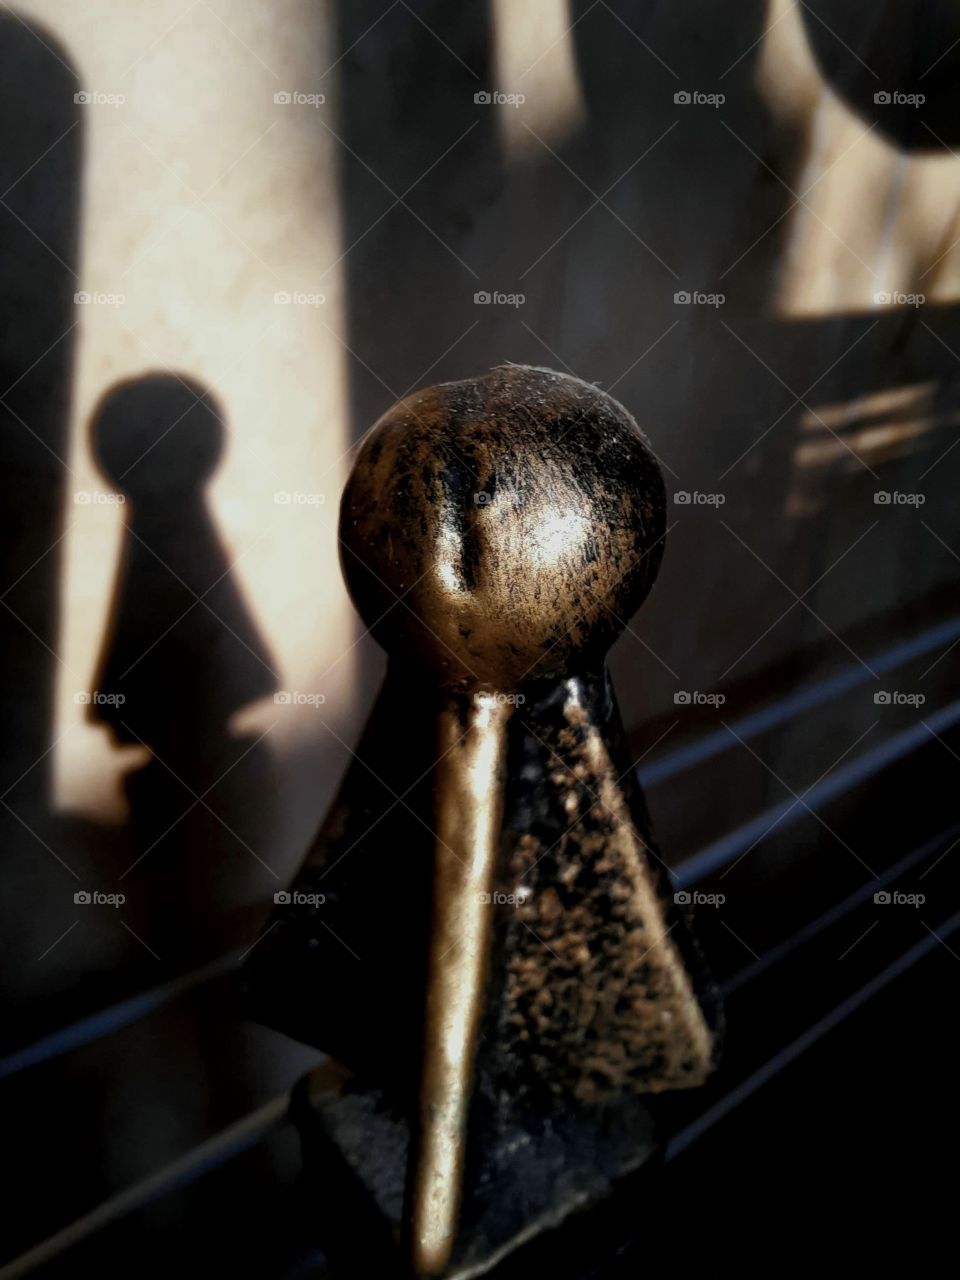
x=597 y=998
x=492 y=948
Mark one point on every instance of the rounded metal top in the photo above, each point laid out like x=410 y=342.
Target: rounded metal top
x=504 y=528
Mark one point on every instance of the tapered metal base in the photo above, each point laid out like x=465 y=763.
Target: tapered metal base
x=525 y=1177
x=592 y=996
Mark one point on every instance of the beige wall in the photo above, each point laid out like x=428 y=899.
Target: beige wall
x=203 y=199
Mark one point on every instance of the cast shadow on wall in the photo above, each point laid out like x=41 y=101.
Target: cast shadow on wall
x=181 y=653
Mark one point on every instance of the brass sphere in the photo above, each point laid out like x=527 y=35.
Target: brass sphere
x=504 y=528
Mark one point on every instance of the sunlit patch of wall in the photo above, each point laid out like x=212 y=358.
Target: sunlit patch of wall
x=535 y=66
x=210 y=243
x=868 y=221
x=871 y=430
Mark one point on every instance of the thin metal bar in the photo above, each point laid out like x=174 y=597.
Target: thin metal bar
x=115 y=1017
x=686 y=1137
x=813 y=695
x=837 y=912
x=201 y=1160
x=788 y=812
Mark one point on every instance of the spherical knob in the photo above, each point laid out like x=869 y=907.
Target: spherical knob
x=504 y=528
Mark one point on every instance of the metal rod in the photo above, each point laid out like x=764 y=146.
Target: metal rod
x=469 y=811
